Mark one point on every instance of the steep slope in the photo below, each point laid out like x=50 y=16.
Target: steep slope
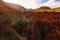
x=15 y=6
x=7 y=14
x=12 y=7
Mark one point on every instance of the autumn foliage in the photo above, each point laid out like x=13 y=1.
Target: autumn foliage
x=28 y=25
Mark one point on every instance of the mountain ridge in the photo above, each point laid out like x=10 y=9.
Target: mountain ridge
x=18 y=8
